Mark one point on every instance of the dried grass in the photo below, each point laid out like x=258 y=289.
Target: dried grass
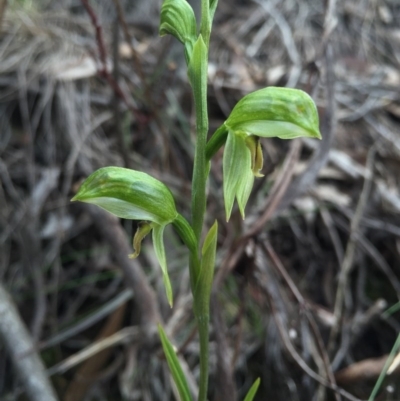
x=277 y=283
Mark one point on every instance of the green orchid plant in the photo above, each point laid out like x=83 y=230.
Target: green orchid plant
x=266 y=113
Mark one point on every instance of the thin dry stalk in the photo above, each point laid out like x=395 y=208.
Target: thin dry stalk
x=104 y=71
x=283 y=331
x=120 y=337
x=349 y=256
x=267 y=247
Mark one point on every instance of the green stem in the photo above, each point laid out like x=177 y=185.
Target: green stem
x=198 y=74
x=203 y=326
x=199 y=200
x=217 y=140
x=200 y=169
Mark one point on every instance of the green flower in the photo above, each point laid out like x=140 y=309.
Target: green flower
x=178 y=19
x=134 y=195
x=271 y=112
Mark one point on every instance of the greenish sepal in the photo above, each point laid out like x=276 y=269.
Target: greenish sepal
x=275 y=112
x=175 y=367
x=129 y=194
x=185 y=233
x=158 y=243
x=178 y=19
x=202 y=293
x=143 y=229
x=252 y=391
x=238 y=177
x=217 y=140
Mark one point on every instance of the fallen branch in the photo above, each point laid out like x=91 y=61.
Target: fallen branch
x=20 y=348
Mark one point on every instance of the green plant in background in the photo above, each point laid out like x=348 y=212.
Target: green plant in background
x=392 y=362
x=270 y=112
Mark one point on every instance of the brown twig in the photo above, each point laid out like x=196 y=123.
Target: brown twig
x=104 y=71
x=353 y=330
x=348 y=260
x=89 y=321
x=267 y=247
x=31 y=247
x=370 y=250
x=367 y=369
x=99 y=35
x=116 y=105
x=90 y=370
x=19 y=346
x=224 y=381
x=128 y=39
x=290 y=347
x=124 y=335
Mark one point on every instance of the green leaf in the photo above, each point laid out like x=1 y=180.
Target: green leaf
x=158 y=243
x=129 y=194
x=275 y=112
x=252 y=392
x=178 y=19
x=213 y=7
x=197 y=70
x=197 y=73
x=175 y=367
x=238 y=176
x=202 y=293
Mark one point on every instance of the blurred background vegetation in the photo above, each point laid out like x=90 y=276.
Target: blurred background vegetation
x=303 y=286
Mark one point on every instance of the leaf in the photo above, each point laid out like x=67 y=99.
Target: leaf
x=197 y=70
x=158 y=243
x=129 y=194
x=213 y=7
x=175 y=367
x=275 y=112
x=197 y=73
x=202 y=293
x=252 y=392
x=178 y=19
x=238 y=177
x=244 y=187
